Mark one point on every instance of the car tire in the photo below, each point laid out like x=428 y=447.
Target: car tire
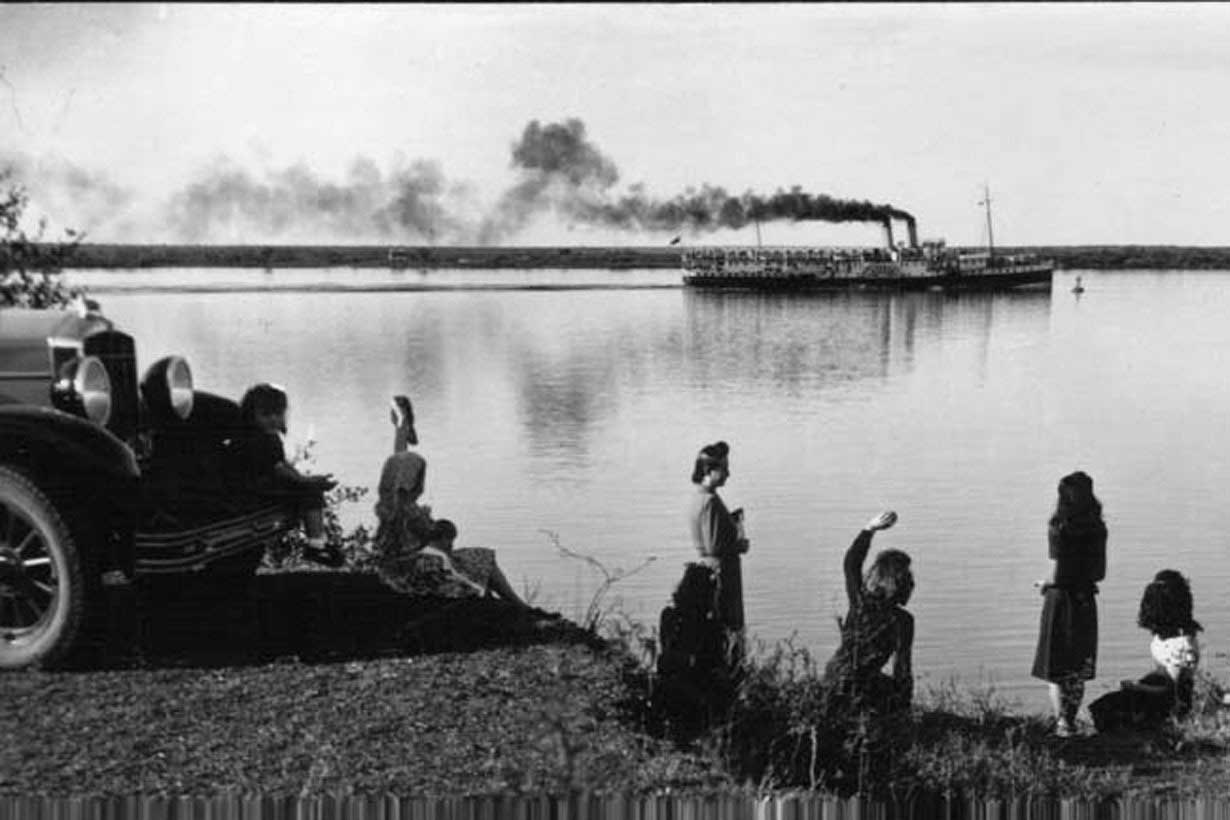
x=44 y=583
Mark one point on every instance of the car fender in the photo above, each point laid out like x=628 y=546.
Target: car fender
x=71 y=458
x=36 y=436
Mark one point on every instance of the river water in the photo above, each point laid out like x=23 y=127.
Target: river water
x=551 y=413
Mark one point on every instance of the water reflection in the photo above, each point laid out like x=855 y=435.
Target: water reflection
x=800 y=341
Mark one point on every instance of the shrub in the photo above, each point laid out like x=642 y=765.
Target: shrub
x=30 y=269
x=355 y=543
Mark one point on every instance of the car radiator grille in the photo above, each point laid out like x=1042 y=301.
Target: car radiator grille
x=117 y=353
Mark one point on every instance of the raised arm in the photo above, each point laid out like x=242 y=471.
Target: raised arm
x=856 y=554
x=852 y=566
x=287 y=472
x=401 y=414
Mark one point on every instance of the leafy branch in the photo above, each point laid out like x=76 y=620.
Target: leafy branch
x=30 y=269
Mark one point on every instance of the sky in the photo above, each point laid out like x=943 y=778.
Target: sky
x=581 y=124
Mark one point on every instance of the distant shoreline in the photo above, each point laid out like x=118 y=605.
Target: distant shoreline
x=115 y=256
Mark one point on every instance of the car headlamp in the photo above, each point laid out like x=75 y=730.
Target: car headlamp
x=167 y=388
x=85 y=387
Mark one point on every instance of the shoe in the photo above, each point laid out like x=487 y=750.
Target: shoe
x=329 y=556
x=1064 y=729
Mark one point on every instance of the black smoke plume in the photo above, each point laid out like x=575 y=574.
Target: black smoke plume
x=562 y=172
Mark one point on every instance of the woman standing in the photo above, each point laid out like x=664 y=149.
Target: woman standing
x=716 y=532
x=1067 y=650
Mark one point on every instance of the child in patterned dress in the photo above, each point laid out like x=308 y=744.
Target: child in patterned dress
x=1166 y=611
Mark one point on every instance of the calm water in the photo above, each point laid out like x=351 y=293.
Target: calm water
x=578 y=413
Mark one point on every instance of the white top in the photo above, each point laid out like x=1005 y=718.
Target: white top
x=1182 y=652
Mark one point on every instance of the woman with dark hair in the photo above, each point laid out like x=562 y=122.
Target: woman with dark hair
x=1066 y=654
x=877 y=629
x=716 y=532
x=1166 y=611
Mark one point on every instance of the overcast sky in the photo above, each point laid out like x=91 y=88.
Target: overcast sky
x=1098 y=123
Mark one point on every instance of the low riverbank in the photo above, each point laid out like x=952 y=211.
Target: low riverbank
x=115 y=256
x=309 y=684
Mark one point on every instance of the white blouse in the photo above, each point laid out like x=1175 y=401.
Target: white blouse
x=1182 y=652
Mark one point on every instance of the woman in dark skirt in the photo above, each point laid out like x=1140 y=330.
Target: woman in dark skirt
x=717 y=534
x=1067 y=650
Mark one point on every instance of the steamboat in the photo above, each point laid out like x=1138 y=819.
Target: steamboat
x=907 y=265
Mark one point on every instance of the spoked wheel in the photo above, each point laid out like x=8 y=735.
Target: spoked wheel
x=42 y=582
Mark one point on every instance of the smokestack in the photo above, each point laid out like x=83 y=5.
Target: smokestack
x=888 y=232
x=913 y=229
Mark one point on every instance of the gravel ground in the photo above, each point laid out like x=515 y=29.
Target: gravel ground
x=313 y=683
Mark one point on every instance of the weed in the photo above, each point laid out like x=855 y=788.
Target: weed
x=355 y=543
x=596 y=612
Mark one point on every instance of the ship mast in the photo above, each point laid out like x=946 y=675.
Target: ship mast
x=986 y=201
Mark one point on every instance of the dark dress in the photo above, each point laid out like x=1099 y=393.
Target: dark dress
x=872 y=631
x=254 y=455
x=716 y=538
x=696 y=678
x=1068 y=632
x=1166 y=692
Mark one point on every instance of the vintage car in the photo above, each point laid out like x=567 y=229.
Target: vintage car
x=106 y=479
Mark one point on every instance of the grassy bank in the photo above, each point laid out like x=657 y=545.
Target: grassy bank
x=312 y=683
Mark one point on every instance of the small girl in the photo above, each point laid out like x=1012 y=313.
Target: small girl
x=1166 y=611
x=260 y=460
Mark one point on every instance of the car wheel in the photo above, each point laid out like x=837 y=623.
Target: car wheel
x=42 y=577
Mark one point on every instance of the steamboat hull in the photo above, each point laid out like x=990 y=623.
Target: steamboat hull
x=1038 y=277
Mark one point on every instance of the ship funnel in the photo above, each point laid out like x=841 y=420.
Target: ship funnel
x=913 y=229
x=888 y=232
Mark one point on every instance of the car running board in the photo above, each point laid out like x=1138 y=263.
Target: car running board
x=195 y=549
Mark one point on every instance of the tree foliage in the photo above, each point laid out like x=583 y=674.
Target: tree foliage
x=30 y=269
